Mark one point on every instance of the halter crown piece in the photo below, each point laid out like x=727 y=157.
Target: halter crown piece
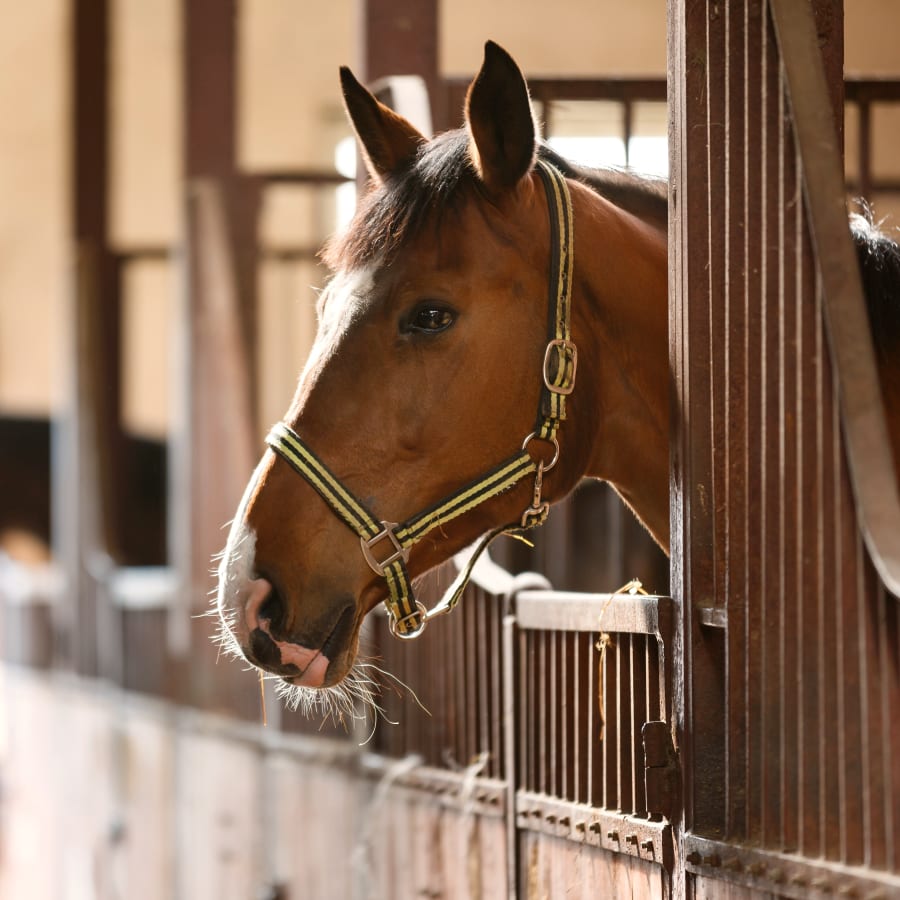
x=386 y=545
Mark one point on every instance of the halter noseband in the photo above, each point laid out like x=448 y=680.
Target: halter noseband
x=386 y=545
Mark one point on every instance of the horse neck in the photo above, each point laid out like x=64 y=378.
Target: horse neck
x=621 y=320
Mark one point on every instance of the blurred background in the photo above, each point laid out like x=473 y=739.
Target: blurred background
x=168 y=171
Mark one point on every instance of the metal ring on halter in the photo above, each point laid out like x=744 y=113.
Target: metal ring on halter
x=394 y=624
x=550 y=440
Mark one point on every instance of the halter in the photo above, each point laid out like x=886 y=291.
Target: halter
x=386 y=545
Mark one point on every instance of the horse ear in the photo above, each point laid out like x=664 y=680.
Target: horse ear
x=500 y=120
x=388 y=140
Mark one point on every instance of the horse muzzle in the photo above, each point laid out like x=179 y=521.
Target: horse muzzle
x=299 y=658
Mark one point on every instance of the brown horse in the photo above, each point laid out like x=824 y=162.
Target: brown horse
x=430 y=360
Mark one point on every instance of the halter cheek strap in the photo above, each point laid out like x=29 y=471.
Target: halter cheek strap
x=385 y=546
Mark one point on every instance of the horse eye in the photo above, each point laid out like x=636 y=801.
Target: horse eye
x=431 y=318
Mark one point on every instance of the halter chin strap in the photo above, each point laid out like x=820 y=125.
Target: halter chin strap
x=386 y=545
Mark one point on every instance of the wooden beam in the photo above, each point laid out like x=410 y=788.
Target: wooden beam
x=400 y=37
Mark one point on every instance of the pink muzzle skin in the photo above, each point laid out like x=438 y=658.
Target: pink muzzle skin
x=313 y=664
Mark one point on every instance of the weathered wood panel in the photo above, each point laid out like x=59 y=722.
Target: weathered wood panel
x=553 y=867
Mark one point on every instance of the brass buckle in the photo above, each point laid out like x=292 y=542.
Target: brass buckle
x=400 y=552
x=568 y=354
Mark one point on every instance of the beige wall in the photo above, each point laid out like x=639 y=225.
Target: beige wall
x=33 y=264
x=290 y=116
x=563 y=38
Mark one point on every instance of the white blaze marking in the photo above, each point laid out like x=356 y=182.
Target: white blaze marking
x=344 y=298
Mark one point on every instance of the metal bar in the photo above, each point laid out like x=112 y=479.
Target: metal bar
x=541 y=693
x=565 y=729
x=735 y=444
x=865 y=431
x=811 y=758
x=592 y=753
x=513 y=692
x=772 y=574
x=553 y=702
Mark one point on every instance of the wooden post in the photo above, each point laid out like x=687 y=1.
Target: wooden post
x=214 y=443
x=400 y=37
x=87 y=439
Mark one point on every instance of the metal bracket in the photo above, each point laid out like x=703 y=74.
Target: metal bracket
x=662 y=772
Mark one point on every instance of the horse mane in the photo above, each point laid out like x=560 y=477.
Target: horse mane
x=879 y=265
x=441 y=177
x=644 y=196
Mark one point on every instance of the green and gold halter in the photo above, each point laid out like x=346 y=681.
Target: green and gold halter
x=407 y=615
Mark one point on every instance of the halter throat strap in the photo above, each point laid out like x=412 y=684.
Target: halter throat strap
x=385 y=546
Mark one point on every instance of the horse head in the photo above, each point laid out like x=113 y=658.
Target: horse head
x=430 y=361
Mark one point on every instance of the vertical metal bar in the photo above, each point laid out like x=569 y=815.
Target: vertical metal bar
x=831 y=652
x=543 y=711
x=772 y=573
x=592 y=746
x=634 y=747
x=735 y=440
x=610 y=726
x=877 y=851
x=755 y=585
x=552 y=637
x=624 y=713
x=577 y=730
x=525 y=711
x=513 y=692
x=890 y=703
x=566 y=710
x=789 y=450
x=499 y=667
x=809 y=529
x=853 y=733
x=472 y=677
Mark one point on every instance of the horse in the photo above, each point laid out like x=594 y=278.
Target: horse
x=483 y=277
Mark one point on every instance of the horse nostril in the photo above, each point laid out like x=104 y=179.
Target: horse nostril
x=262 y=602
x=272 y=609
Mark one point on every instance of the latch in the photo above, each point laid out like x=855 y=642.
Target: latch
x=662 y=773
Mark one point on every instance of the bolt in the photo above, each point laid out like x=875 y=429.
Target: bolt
x=648 y=845
x=712 y=861
x=694 y=858
x=631 y=839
